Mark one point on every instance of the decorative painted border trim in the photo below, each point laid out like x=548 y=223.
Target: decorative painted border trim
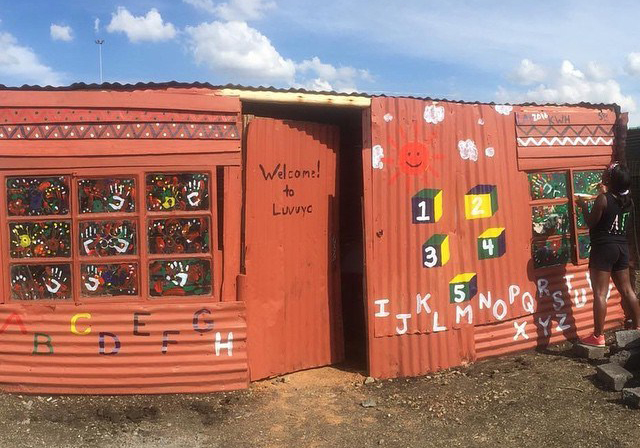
x=565 y=141
x=119 y=131
x=566 y=131
x=24 y=116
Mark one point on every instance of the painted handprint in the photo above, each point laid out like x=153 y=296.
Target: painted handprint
x=117 y=191
x=121 y=244
x=177 y=191
x=54 y=280
x=90 y=239
x=180 y=275
x=193 y=191
x=92 y=278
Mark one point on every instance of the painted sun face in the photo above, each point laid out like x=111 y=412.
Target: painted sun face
x=413 y=157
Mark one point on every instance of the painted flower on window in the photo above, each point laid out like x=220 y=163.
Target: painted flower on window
x=40 y=239
x=37 y=196
x=107 y=238
x=100 y=280
x=186 y=191
x=105 y=195
x=184 y=277
x=179 y=235
x=41 y=282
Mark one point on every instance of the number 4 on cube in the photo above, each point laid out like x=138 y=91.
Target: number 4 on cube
x=491 y=243
x=426 y=206
x=463 y=287
x=435 y=252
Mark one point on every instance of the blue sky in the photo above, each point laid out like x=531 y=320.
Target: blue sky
x=491 y=50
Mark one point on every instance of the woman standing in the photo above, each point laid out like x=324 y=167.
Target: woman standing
x=608 y=222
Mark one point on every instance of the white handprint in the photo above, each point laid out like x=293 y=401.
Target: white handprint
x=88 y=234
x=122 y=244
x=182 y=274
x=93 y=279
x=19 y=279
x=117 y=190
x=54 y=281
x=193 y=192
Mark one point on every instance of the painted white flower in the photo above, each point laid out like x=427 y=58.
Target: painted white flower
x=377 y=153
x=503 y=109
x=468 y=150
x=388 y=117
x=433 y=113
x=489 y=152
x=480 y=121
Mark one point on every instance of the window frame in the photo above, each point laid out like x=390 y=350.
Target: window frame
x=574 y=232
x=141 y=216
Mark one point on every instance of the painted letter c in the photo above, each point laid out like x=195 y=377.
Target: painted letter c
x=75 y=318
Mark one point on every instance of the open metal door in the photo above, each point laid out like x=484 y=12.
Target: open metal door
x=291 y=242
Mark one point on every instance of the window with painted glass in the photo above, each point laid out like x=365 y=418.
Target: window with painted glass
x=559 y=231
x=146 y=234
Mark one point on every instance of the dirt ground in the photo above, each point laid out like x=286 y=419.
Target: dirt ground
x=531 y=400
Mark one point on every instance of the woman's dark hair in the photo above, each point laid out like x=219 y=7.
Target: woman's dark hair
x=620 y=183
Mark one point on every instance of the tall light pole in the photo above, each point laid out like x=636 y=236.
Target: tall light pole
x=100 y=42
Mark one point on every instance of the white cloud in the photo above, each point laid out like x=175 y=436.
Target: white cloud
x=633 y=64
x=244 y=9
x=205 y=5
x=468 y=150
x=237 y=49
x=150 y=27
x=241 y=52
x=528 y=73
x=240 y=10
x=570 y=85
x=328 y=77
x=598 y=71
x=21 y=63
x=433 y=113
x=503 y=109
x=96 y=26
x=60 y=32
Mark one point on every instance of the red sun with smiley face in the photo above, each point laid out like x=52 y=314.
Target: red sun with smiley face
x=415 y=157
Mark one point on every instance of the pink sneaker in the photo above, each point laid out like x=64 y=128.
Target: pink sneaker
x=593 y=340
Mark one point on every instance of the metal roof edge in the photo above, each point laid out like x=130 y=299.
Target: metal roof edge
x=280 y=95
x=271 y=96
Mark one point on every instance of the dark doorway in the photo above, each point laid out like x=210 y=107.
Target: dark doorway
x=350 y=191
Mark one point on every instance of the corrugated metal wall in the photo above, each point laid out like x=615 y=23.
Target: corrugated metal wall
x=123 y=348
x=292 y=268
x=126 y=344
x=437 y=177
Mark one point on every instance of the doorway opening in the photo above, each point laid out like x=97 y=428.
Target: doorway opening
x=351 y=205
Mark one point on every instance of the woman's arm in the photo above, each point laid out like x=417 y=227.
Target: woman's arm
x=592 y=217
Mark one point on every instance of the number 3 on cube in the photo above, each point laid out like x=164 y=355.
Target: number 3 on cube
x=435 y=252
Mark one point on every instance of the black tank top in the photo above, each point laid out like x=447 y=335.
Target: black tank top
x=612 y=227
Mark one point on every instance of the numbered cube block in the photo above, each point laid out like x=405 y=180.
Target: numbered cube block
x=426 y=206
x=481 y=202
x=463 y=287
x=435 y=252
x=491 y=243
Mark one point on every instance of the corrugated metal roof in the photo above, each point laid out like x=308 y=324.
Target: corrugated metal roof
x=206 y=85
